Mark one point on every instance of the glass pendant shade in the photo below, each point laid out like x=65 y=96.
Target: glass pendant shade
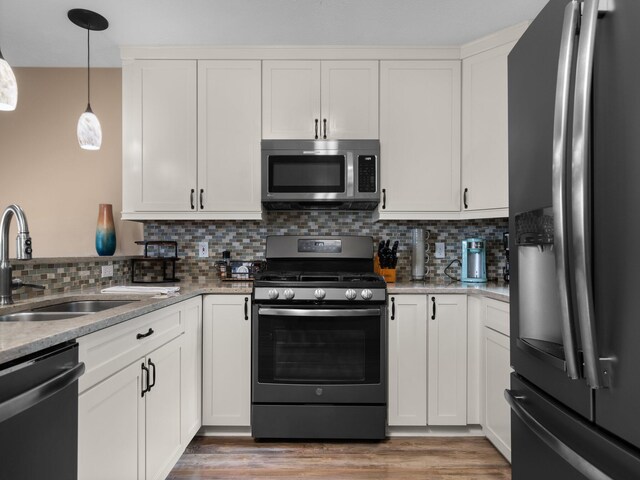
x=8 y=87
x=89 y=131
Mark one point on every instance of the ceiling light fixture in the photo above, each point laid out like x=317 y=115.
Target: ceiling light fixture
x=89 y=130
x=8 y=86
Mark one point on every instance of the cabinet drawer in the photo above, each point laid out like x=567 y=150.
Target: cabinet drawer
x=108 y=351
x=497 y=316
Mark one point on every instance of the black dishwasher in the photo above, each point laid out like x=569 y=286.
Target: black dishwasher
x=39 y=415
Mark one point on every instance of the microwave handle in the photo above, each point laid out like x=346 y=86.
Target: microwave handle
x=350 y=175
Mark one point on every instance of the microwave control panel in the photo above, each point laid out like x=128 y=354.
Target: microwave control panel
x=367 y=173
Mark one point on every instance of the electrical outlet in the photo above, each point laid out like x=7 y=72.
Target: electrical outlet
x=203 y=249
x=439 y=249
x=107 y=271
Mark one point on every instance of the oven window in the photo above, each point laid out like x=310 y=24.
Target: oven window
x=307 y=173
x=318 y=350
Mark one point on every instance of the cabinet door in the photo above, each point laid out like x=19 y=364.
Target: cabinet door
x=290 y=99
x=419 y=137
x=497 y=421
x=111 y=418
x=349 y=94
x=159 y=135
x=484 y=130
x=447 y=360
x=229 y=109
x=407 y=360
x=226 y=382
x=191 y=369
x=163 y=439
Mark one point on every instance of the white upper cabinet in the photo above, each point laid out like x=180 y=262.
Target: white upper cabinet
x=229 y=107
x=320 y=99
x=419 y=138
x=191 y=139
x=159 y=135
x=485 y=165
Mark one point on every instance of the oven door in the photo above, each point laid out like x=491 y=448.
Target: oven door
x=319 y=354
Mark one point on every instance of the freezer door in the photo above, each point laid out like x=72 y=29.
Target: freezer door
x=552 y=443
x=616 y=197
x=538 y=343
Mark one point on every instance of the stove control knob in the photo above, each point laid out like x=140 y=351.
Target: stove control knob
x=273 y=294
x=351 y=294
x=289 y=294
x=366 y=294
x=319 y=293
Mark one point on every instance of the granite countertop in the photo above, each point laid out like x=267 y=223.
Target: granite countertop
x=18 y=339
x=495 y=290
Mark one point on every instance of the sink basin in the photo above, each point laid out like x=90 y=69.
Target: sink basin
x=83 y=306
x=39 y=316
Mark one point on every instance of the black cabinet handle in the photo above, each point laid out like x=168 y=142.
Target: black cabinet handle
x=193 y=207
x=246 y=308
x=433 y=304
x=316 y=128
x=464 y=198
x=393 y=308
x=201 y=201
x=153 y=375
x=145 y=376
x=144 y=335
x=384 y=198
x=324 y=122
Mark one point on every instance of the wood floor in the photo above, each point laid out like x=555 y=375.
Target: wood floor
x=394 y=459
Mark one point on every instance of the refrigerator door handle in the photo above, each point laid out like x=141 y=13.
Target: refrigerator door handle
x=559 y=167
x=580 y=195
x=569 y=455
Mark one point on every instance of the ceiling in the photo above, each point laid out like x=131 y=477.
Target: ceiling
x=37 y=33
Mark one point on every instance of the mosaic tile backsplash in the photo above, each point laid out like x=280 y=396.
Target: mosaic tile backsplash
x=246 y=239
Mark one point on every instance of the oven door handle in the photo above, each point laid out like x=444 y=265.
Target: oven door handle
x=307 y=312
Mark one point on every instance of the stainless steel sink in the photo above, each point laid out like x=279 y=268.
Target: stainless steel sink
x=39 y=316
x=83 y=306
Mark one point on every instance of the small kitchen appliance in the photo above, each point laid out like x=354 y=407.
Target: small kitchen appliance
x=319 y=340
x=474 y=261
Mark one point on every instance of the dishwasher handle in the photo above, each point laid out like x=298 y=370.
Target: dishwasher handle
x=29 y=398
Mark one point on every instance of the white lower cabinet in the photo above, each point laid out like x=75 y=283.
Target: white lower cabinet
x=496 y=373
x=226 y=371
x=427 y=360
x=133 y=397
x=407 y=325
x=447 y=387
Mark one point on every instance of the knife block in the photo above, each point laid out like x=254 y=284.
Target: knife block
x=389 y=274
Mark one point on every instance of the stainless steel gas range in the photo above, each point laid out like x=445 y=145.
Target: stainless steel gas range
x=319 y=340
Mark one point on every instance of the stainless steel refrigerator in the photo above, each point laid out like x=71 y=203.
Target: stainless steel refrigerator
x=574 y=188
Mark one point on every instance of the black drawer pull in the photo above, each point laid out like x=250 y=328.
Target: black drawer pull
x=145 y=376
x=464 y=198
x=193 y=207
x=144 y=335
x=393 y=308
x=201 y=201
x=246 y=308
x=316 y=128
x=433 y=300
x=384 y=198
x=153 y=377
x=324 y=122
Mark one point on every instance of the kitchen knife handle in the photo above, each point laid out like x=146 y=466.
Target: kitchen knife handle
x=464 y=198
x=393 y=308
x=201 y=199
x=433 y=305
x=558 y=185
x=384 y=198
x=316 y=128
x=246 y=308
x=193 y=207
x=324 y=123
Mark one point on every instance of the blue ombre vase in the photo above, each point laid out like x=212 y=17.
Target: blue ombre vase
x=105 y=231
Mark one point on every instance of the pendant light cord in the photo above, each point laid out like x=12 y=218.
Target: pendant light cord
x=88 y=68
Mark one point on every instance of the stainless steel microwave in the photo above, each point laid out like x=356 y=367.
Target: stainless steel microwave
x=320 y=174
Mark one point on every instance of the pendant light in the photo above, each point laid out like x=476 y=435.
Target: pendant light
x=89 y=131
x=8 y=86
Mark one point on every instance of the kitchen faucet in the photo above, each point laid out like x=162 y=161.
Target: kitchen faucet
x=23 y=252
